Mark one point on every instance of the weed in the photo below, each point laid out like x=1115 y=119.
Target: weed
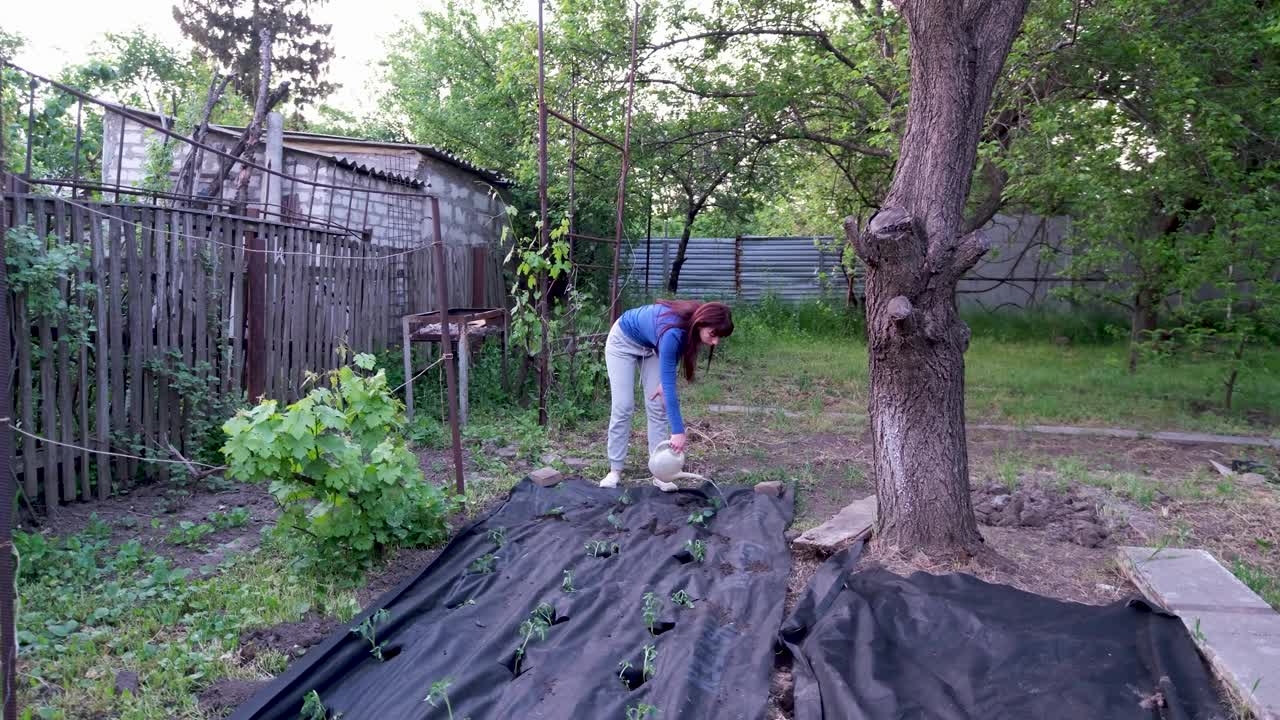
x=602 y=548
x=650 y=662
x=440 y=693
x=614 y=520
x=1197 y=634
x=643 y=711
x=239 y=517
x=483 y=565
x=189 y=533
x=651 y=608
x=566 y=585
x=1010 y=468
x=681 y=598
x=538 y=623
x=697 y=549
x=1264 y=544
x=369 y=631
x=498 y=536
x=1259 y=580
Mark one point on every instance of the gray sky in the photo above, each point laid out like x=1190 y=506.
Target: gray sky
x=67 y=33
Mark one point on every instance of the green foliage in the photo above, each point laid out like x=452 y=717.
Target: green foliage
x=483 y=565
x=189 y=533
x=440 y=693
x=650 y=607
x=336 y=463
x=601 y=548
x=201 y=403
x=649 y=666
x=643 y=711
x=313 y=708
x=681 y=598
x=566 y=585
x=40 y=270
x=539 y=622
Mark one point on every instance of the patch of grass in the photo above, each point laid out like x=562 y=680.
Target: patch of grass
x=1139 y=489
x=89 y=610
x=1010 y=466
x=1259 y=580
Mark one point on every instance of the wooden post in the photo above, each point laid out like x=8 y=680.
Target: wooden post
x=442 y=302
x=256 y=312
x=464 y=372
x=408 y=368
x=8 y=491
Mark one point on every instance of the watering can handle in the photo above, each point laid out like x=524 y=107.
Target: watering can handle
x=663 y=444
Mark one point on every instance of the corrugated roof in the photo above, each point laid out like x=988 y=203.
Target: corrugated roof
x=362 y=167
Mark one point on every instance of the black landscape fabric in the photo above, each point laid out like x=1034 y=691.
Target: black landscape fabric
x=869 y=645
x=464 y=617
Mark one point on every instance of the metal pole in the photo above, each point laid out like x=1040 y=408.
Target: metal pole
x=615 y=305
x=451 y=383
x=8 y=491
x=544 y=232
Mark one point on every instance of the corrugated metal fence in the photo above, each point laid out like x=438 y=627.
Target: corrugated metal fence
x=744 y=268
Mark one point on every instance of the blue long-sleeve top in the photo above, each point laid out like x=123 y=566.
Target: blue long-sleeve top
x=648 y=325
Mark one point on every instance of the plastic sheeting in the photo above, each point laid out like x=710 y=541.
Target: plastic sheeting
x=872 y=645
x=461 y=618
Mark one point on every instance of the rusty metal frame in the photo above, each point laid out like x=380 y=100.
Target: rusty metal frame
x=615 y=300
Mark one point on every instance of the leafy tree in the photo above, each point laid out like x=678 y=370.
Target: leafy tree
x=229 y=33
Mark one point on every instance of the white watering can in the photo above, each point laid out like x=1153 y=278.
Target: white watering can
x=668 y=465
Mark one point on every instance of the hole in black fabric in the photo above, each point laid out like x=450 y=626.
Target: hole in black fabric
x=661 y=627
x=684 y=556
x=632 y=677
x=560 y=619
x=516 y=665
x=391 y=652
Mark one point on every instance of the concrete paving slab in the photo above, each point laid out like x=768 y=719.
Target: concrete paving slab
x=854 y=522
x=1237 y=631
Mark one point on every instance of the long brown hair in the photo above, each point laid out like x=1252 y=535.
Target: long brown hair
x=691 y=317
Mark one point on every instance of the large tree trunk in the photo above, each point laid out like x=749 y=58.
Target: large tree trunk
x=915 y=255
x=1142 y=325
x=673 y=281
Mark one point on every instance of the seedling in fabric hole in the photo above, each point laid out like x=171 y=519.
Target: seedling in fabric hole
x=566 y=584
x=615 y=521
x=681 y=597
x=555 y=512
x=625 y=498
x=623 y=668
x=650 y=666
x=602 y=548
x=483 y=565
x=651 y=607
x=697 y=549
x=440 y=694
x=643 y=711
x=314 y=709
x=701 y=517
x=498 y=536
x=369 y=631
x=539 y=622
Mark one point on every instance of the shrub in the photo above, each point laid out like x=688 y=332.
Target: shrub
x=338 y=466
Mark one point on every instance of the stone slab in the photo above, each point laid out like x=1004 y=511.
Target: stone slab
x=546 y=477
x=1237 y=631
x=854 y=522
x=772 y=487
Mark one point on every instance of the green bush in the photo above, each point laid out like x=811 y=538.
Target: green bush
x=337 y=464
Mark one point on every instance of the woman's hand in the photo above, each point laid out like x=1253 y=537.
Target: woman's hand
x=679 y=442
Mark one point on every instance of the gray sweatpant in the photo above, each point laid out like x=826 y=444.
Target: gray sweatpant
x=622 y=356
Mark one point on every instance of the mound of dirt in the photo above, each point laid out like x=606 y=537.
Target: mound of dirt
x=292 y=639
x=229 y=694
x=1069 y=517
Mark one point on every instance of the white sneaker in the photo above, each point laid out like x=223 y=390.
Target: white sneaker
x=611 y=480
x=665 y=486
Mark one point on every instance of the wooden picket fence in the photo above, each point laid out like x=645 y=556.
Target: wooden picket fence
x=167 y=286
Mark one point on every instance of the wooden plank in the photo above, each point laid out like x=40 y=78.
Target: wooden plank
x=22 y=336
x=116 y=232
x=50 y=455
x=65 y=377
x=133 y=237
x=285 y=310
x=312 y=310
x=163 y=395
x=226 y=266
x=79 y=234
x=146 y=380
x=173 y=313
x=237 y=325
x=101 y=359
x=188 y=290
x=201 y=286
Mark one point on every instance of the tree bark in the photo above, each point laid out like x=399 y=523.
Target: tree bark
x=253 y=133
x=914 y=255
x=673 y=281
x=1142 y=325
